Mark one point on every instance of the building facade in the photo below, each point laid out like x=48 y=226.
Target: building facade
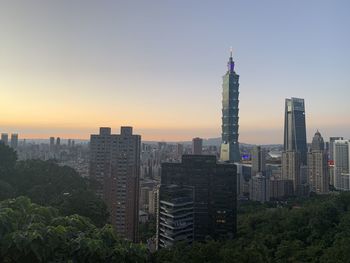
x=280 y=189
x=197 y=146
x=175 y=221
x=258 y=157
x=331 y=146
x=5 y=138
x=260 y=188
x=215 y=193
x=291 y=169
x=230 y=109
x=14 y=141
x=318 y=172
x=295 y=128
x=341 y=150
x=115 y=165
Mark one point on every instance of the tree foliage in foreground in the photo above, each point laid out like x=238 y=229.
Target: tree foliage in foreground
x=317 y=231
x=33 y=233
x=49 y=184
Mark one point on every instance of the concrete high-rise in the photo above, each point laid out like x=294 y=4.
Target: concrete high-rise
x=197 y=146
x=215 y=193
x=259 y=188
x=230 y=101
x=341 y=154
x=291 y=168
x=52 y=143
x=5 y=138
x=318 y=172
x=317 y=142
x=331 y=146
x=115 y=165
x=179 y=150
x=295 y=128
x=258 y=157
x=58 y=141
x=14 y=140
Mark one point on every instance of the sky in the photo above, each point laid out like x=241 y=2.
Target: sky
x=69 y=67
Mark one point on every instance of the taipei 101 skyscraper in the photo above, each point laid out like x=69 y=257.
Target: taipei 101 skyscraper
x=230 y=100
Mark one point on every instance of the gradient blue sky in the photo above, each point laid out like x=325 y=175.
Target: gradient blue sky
x=68 y=67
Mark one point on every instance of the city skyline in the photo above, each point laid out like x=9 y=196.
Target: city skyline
x=90 y=65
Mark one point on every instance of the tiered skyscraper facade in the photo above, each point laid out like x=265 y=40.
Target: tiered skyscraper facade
x=230 y=109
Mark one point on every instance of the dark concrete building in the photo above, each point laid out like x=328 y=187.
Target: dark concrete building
x=215 y=193
x=197 y=145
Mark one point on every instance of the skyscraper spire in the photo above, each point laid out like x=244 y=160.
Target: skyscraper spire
x=231 y=63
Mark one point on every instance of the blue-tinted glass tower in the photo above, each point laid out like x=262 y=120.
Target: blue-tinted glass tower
x=230 y=93
x=295 y=128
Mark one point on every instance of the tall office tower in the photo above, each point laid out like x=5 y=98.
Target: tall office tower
x=58 y=141
x=331 y=146
x=14 y=140
x=317 y=142
x=291 y=169
x=69 y=142
x=215 y=193
x=5 y=138
x=52 y=143
x=175 y=221
x=197 y=146
x=230 y=100
x=115 y=165
x=258 y=160
x=259 y=188
x=318 y=172
x=295 y=128
x=341 y=150
x=179 y=150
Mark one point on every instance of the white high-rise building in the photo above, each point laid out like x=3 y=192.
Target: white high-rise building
x=318 y=172
x=259 y=188
x=341 y=150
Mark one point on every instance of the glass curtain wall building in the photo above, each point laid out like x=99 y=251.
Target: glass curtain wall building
x=295 y=128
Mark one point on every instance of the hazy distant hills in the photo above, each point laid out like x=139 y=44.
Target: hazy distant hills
x=206 y=142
